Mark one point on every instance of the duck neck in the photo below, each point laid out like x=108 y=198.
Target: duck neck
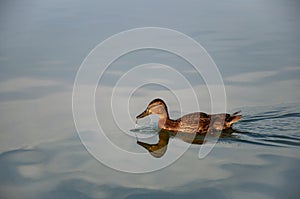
x=164 y=120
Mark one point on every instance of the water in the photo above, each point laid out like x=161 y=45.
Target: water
x=260 y=159
x=255 y=45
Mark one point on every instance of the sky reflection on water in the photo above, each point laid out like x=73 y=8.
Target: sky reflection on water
x=64 y=169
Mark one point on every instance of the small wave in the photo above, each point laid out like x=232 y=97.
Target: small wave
x=277 y=127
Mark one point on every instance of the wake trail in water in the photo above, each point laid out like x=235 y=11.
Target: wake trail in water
x=262 y=126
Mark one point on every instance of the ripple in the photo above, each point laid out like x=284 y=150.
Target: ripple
x=24 y=156
x=278 y=127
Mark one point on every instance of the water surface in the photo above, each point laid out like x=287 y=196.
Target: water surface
x=260 y=159
x=255 y=45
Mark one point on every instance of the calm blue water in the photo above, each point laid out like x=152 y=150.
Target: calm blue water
x=260 y=159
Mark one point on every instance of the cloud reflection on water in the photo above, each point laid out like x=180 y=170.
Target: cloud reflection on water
x=67 y=170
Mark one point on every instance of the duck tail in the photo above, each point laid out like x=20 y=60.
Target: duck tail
x=236 y=113
x=234 y=117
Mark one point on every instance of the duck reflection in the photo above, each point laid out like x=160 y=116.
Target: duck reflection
x=158 y=149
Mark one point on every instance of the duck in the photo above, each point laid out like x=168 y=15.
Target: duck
x=193 y=123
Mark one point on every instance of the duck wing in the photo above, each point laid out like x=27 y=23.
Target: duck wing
x=194 y=122
x=200 y=122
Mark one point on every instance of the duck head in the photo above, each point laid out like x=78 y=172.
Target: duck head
x=156 y=106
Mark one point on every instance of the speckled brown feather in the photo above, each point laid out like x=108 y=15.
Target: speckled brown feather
x=200 y=122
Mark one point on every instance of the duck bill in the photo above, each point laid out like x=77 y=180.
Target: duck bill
x=143 y=114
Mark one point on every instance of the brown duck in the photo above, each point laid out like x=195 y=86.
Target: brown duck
x=198 y=122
